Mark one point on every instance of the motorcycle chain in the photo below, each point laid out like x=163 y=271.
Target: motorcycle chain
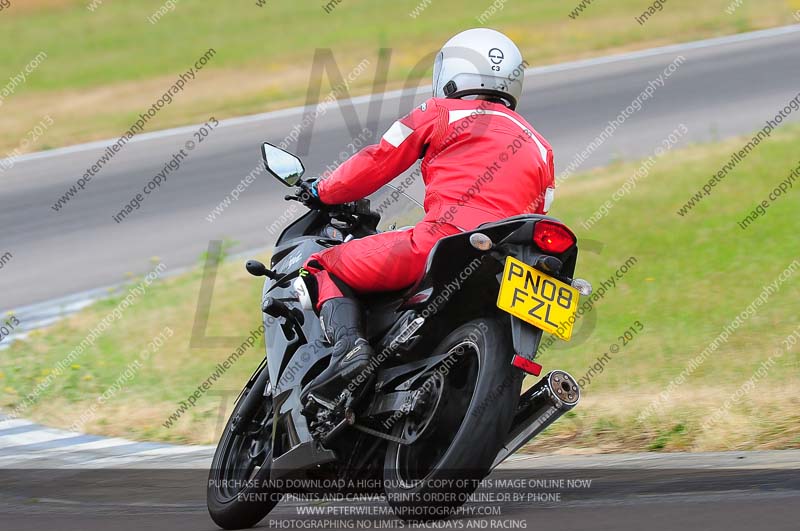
x=382 y=435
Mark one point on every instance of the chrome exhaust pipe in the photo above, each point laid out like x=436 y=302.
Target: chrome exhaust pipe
x=539 y=407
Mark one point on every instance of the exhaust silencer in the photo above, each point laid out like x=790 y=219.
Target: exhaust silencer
x=539 y=406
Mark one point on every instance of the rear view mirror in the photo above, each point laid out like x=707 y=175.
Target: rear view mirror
x=282 y=164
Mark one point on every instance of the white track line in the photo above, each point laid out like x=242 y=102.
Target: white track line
x=151 y=457
x=55 y=453
x=33 y=437
x=561 y=67
x=94 y=454
x=14 y=423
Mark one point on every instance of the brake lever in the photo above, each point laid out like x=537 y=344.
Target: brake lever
x=299 y=199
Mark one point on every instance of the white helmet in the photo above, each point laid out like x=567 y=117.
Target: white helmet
x=478 y=62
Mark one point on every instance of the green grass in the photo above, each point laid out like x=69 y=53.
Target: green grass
x=106 y=66
x=694 y=275
x=116 y=42
x=167 y=377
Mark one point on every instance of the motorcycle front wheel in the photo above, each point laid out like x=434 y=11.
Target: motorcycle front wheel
x=238 y=494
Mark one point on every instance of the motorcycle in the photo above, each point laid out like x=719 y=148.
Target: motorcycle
x=446 y=406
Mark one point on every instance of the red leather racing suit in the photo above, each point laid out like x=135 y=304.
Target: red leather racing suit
x=481 y=162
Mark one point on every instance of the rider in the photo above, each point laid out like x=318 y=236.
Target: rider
x=481 y=162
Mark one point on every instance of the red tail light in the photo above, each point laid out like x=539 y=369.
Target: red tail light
x=552 y=237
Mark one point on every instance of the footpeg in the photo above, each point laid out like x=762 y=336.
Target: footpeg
x=348 y=420
x=277 y=308
x=320 y=402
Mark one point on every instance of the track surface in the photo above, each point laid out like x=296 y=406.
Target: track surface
x=726 y=87
x=716 y=491
x=54 y=479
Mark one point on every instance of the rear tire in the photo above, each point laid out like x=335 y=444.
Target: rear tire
x=236 y=494
x=430 y=478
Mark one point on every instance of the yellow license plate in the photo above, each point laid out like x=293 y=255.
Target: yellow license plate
x=537 y=298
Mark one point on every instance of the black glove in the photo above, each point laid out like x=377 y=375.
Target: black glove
x=308 y=195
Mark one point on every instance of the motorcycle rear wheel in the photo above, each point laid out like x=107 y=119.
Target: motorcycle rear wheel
x=456 y=446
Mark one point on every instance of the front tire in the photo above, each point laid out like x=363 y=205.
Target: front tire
x=237 y=495
x=429 y=478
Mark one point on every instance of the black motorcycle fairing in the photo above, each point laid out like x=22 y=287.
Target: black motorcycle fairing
x=290 y=363
x=298 y=252
x=307 y=224
x=283 y=341
x=282 y=251
x=382 y=311
x=451 y=255
x=287 y=398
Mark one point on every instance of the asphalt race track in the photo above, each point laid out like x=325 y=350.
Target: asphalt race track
x=723 y=87
x=57 y=479
x=727 y=491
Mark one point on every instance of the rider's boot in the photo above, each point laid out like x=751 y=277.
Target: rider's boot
x=349 y=373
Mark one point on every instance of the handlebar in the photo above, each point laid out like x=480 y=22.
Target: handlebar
x=359 y=208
